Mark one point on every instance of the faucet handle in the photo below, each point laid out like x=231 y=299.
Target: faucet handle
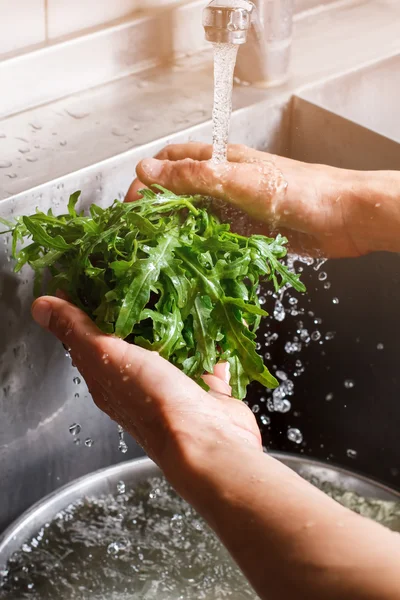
x=228 y=21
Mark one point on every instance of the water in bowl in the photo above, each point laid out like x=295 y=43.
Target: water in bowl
x=141 y=544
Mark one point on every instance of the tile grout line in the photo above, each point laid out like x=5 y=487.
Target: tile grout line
x=46 y=19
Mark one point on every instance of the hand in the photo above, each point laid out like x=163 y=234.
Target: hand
x=168 y=414
x=317 y=207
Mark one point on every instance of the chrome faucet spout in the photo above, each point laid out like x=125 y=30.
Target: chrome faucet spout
x=227 y=21
x=262 y=28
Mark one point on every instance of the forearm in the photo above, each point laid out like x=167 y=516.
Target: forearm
x=289 y=538
x=371 y=209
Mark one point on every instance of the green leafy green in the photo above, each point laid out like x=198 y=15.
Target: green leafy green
x=162 y=273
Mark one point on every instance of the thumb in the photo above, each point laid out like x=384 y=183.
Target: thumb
x=106 y=358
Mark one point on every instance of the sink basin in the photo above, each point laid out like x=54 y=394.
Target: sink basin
x=141 y=540
x=367 y=96
x=345 y=388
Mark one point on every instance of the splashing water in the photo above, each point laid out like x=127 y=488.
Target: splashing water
x=122 y=445
x=144 y=543
x=224 y=65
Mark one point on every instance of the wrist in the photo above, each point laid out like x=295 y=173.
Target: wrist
x=371 y=210
x=199 y=464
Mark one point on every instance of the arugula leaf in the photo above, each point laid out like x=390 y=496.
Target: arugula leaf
x=163 y=273
x=239 y=377
x=73 y=199
x=203 y=329
x=145 y=273
x=40 y=235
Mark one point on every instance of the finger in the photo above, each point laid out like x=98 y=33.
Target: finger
x=217 y=385
x=66 y=321
x=200 y=151
x=116 y=363
x=133 y=193
x=196 y=151
x=256 y=188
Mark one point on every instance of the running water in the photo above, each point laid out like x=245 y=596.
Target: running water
x=224 y=65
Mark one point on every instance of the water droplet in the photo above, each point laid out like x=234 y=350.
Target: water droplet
x=322 y=276
x=121 y=487
x=282 y=406
x=11 y=175
x=63 y=143
x=281 y=375
x=77 y=114
x=74 y=429
x=76 y=380
x=293 y=300
x=255 y=408
x=24 y=150
x=35 y=125
x=5 y=164
x=77 y=441
x=348 y=383
x=118 y=132
x=329 y=335
x=177 y=522
x=265 y=420
x=380 y=346
x=279 y=311
x=335 y=300
x=292 y=347
x=113 y=548
x=315 y=336
x=327 y=285
x=76 y=395
x=329 y=397
x=351 y=453
x=21 y=139
x=318 y=263
x=32 y=159
x=304 y=335
x=262 y=300
x=89 y=442
x=122 y=445
x=294 y=435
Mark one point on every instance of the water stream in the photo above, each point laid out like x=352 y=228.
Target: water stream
x=224 y=65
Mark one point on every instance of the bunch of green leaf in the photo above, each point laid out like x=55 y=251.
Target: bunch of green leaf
x=162 y=273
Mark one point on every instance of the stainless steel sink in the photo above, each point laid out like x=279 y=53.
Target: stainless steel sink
x=323 y=122
x=367 y=96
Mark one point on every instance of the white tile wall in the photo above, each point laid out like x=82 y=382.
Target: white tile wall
x=67 y=17
x=22 y=23
x=300 y=5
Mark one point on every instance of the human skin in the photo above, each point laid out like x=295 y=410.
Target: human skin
x=322 y=210
x=290 y=539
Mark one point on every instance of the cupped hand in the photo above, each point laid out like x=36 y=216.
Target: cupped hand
x=168 y=414
x=306 y=202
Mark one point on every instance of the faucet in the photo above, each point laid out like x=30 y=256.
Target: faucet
x=262 y=28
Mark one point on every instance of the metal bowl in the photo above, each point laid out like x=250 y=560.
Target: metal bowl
x=135 y=471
